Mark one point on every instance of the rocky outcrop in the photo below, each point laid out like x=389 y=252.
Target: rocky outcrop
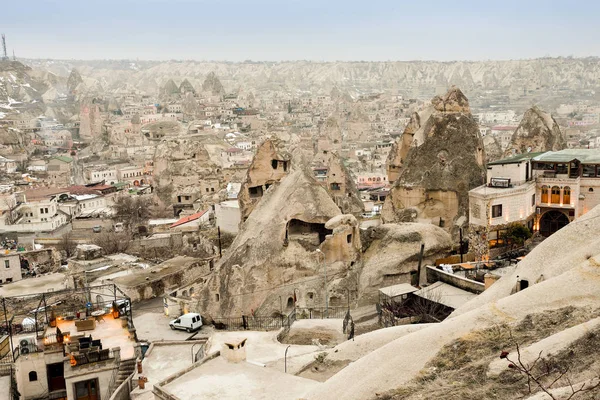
x=270 y=164
x=413 y=136
x=329 y=171
x=436 y=176
x=74 y=80
x=538 y=131
x=392 y=255
x=186 y=87
x=169 y=89
x=213 y=85
x=277 y=245
x=183 y=166
x=493 y=148
x=454 y=101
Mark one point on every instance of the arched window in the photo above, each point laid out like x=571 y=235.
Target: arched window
x=555 y=195
x=191 y=291
x=566 y=195
x=544 y=194
x=32 y=376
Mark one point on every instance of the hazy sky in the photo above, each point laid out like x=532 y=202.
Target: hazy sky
x=325 y=30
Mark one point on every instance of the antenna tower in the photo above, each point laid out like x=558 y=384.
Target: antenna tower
x=4 y=56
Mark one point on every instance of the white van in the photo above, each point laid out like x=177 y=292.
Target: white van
x=189 y=322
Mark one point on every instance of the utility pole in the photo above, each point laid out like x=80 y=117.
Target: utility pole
x=4 y=55
x=219 y=233
x=419 y=265
x=461 y=246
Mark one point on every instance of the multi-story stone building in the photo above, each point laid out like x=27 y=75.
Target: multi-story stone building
x=544 y=191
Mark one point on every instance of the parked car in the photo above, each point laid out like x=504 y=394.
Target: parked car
x=189 y=322
x=97 y=229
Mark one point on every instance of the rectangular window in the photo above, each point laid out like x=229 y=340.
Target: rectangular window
x=497 y=211
x=7 y=263
x=41 y=210
x=533 y=199
x=46 y=210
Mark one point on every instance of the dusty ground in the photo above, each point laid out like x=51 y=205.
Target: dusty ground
x=40 y=284
x=326 y=332
x=152 y=324
x=320 y=371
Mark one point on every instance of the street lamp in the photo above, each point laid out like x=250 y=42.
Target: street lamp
x=325 y=279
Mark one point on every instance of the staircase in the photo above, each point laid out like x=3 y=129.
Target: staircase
x=126 y=368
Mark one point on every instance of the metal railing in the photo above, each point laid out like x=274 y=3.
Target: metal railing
x=321 y=312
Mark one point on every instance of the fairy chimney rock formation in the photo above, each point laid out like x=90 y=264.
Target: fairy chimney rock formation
x=538 y=131
x=278 y=244
x=454 y=101
x=270 y=164
x=437 y=174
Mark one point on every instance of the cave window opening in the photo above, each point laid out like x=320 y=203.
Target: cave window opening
x=274 y=164
x=307 y=232
x=349 y=238
x=256 y=191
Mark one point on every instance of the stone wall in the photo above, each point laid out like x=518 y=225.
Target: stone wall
x=435 y=275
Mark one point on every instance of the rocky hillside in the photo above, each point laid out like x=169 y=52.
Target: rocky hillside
x=150 y=75
x=556 y=319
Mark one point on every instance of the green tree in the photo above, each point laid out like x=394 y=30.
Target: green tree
x=517 y=234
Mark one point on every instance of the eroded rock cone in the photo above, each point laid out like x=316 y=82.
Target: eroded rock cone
x=437 y=174
x=538 y=131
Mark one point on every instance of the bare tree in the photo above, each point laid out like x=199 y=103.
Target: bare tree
x=545 y=374
x=11 y=206
x=68 y=244
x=113 y=242
x=132 y=210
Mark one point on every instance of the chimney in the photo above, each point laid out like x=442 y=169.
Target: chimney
x=234 y=350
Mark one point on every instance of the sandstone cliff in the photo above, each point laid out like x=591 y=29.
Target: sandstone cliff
x=436 y=176
x=538 y=131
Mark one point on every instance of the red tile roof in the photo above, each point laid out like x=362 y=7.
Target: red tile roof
x=189 y=218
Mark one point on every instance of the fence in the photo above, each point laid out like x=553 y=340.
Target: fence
x=255 y=323
x=321 y=313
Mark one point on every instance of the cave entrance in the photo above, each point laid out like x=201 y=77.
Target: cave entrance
x=308 y=234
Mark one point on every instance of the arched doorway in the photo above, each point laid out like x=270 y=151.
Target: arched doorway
x=552 y=221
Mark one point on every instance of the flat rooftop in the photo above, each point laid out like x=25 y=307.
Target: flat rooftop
x=165 y=359
x=220 y=379
x=446 y=294
x=108 y=330
x=39 y=284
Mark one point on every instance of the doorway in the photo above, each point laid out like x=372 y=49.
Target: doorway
x=552 y=221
